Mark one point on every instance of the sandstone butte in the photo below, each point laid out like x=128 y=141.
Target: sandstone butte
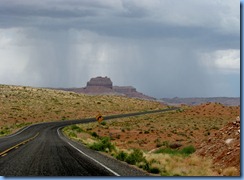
x=104 y=85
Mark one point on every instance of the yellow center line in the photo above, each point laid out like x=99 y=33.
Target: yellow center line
x=4 y=153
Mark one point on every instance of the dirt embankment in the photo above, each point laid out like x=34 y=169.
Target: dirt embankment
x=224 y=148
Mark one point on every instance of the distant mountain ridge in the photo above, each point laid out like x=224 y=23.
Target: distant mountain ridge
x=104 y=85
x=228 y=101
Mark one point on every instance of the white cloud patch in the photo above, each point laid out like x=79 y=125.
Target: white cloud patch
x=225 y=61
x=228 y=59
x=12 y=65
x=7 y=36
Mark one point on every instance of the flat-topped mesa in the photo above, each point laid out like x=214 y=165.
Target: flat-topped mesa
x=100 y=81
x=104 y=85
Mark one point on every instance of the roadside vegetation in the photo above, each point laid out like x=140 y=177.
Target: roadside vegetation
x=161 y=143
x=165 y=161
x=21 y=106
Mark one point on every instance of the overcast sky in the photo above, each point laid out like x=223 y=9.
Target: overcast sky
x=164 y=48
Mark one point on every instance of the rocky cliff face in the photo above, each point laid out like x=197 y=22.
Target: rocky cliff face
x=100 y=82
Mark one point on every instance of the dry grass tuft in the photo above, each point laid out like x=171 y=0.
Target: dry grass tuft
x=230 y=171
x=180 y=166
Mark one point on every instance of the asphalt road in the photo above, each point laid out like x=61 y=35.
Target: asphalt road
x=42 y=150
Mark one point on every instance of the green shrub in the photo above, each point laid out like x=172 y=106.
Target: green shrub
x=145 y=165
x=167 y=151
x=103 y=123
x=103 y=145
x=94 y=134
x=135 y=157
x=185 y=151
x=122 y=156
x=188 y=150
x=154 y=170
x=5 y=130
x=76 y=128
x=72 y=134
x=97 y=146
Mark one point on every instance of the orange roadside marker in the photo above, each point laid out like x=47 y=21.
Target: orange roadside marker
x=99 y=118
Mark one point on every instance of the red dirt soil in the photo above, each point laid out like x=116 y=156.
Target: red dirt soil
x=224 y=147
x=208 y=127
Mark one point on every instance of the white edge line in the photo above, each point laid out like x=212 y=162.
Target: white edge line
x=15 y=134
x=21 y=130
x=116 y=174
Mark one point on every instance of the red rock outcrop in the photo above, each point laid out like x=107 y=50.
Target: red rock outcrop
x=100 y=82
x=104 y=85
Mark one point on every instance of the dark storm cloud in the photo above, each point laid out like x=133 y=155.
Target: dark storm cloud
x=97 y=16
x=24 y=15
x=156 y=46
x=22 y=12
x=100 y=18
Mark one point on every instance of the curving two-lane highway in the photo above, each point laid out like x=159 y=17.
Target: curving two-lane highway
x=42 y=150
